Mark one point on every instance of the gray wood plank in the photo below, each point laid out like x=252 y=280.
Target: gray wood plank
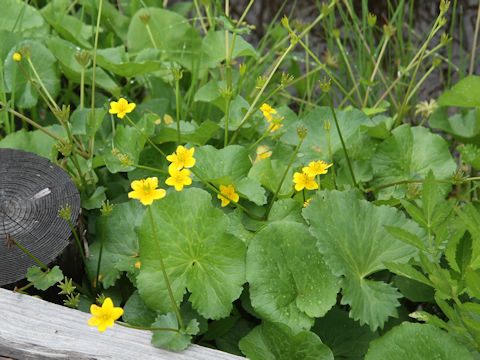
x=31 y=328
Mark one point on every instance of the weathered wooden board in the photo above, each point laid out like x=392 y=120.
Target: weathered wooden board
x=31 y=328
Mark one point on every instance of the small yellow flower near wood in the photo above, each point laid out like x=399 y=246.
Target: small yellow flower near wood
x=105 y=315
x=268 y=111
x=17 y=57
x=316 y=168
x=182 y=158
x=146 y=190
x=121 y=107
x=178 y=178
x=304 y=181
x=230 y=192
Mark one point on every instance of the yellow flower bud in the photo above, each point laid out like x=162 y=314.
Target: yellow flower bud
x=17 y=57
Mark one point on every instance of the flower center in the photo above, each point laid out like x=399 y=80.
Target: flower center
x=147 y=188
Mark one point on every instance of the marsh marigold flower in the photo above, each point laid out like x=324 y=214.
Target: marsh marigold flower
x=304 y=181
x=306 y=203
x=121 y=107
x=268 y=111
x=316 y=168
x=229 y=191
x=104 y=315
x=263 y=152
x=182 y=158
x=178 y=178
x=146 y=190
x=17 y=57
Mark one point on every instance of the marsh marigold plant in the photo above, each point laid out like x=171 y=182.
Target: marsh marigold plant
x=316 y=168
x=121 y=107
x=304 y=181
x=182 y=158
x=105 y=315
x=146 y=190
x=178 y=178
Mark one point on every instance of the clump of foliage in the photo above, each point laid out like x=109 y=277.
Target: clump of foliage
x=292 y=204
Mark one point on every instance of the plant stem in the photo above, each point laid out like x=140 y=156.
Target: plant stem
x=144 y=135
x=341 y=139
x=82 y=254
x=260 y=139
x=42 y=85
x=94 y=67
x=82 y=87
x=149 y=168
x=177 y=102
x=474 y=45
x=372 y=77
x=102 y=241
x=144 y=328
x=33 y=257
x=172 y=298
x=251 y=108
x=283 y=177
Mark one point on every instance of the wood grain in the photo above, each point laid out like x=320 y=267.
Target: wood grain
x=31 y=328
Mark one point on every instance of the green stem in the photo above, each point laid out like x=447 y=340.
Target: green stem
x=102 y=240
x=372 y=77
x=82 y=88
x=145 y=136
x=283 y=177
x=78 y=242
x=341 y=139
x=252 y=107
x=30 y=284
x=172 y=298
x=149 y=168
x=42 y=85
x=33 y=257
x=144 y=328
x=94 y=67
x=349 y=68
x=261 y=138
x=177 y=102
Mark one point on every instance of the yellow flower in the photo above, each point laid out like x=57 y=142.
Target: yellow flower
x=227 y=191
x=138 y=264
x=263 y=152
x=316 y=168
x=268 y=111
x=183 y=158
x=275 y=126
x=105 y=315
x=121 y=108
x=146 y=190
x=306 y=203
x=303 y=180
x=178 y=178
x=17 y=57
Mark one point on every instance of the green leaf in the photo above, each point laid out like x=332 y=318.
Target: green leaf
x=417 y=342
x=213 y=48
x=380 y=129
x=252 y=190
x=473 y=282
x=406 y=237
x=197 y=252
x=429 y=196
x=172 y=340
x=407 y=271
x=31 y=20
x=289 y=280
x=371 y=302
x=275 y=341
x=65 y=54
x=35 y=141
x=470 y=154
x=465 y=93
x=93 y=201
x=470 y=216
x=344 y=336
x=409 y=154
x=172 y=34
x=121 y=246
x=315 y=145
x=352 y=236
x=269 y=173
x=42 y=281
x=413 y=290
x=464 y=126
x=190 y=132
x=135 y=312
x=414 y=212
x=68 y=26
x=286 y=210
x=46 y=66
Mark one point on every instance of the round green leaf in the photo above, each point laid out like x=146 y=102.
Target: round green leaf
x=46 y=66
x=275 y=341
x=409 y=154
x=14 y=10
x=289 y=280
x=171 y=32
x=198 y=254
x=213 y=47
x=417 y=342
x=352 y=237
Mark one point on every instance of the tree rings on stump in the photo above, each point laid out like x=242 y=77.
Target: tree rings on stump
x=32 y=191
